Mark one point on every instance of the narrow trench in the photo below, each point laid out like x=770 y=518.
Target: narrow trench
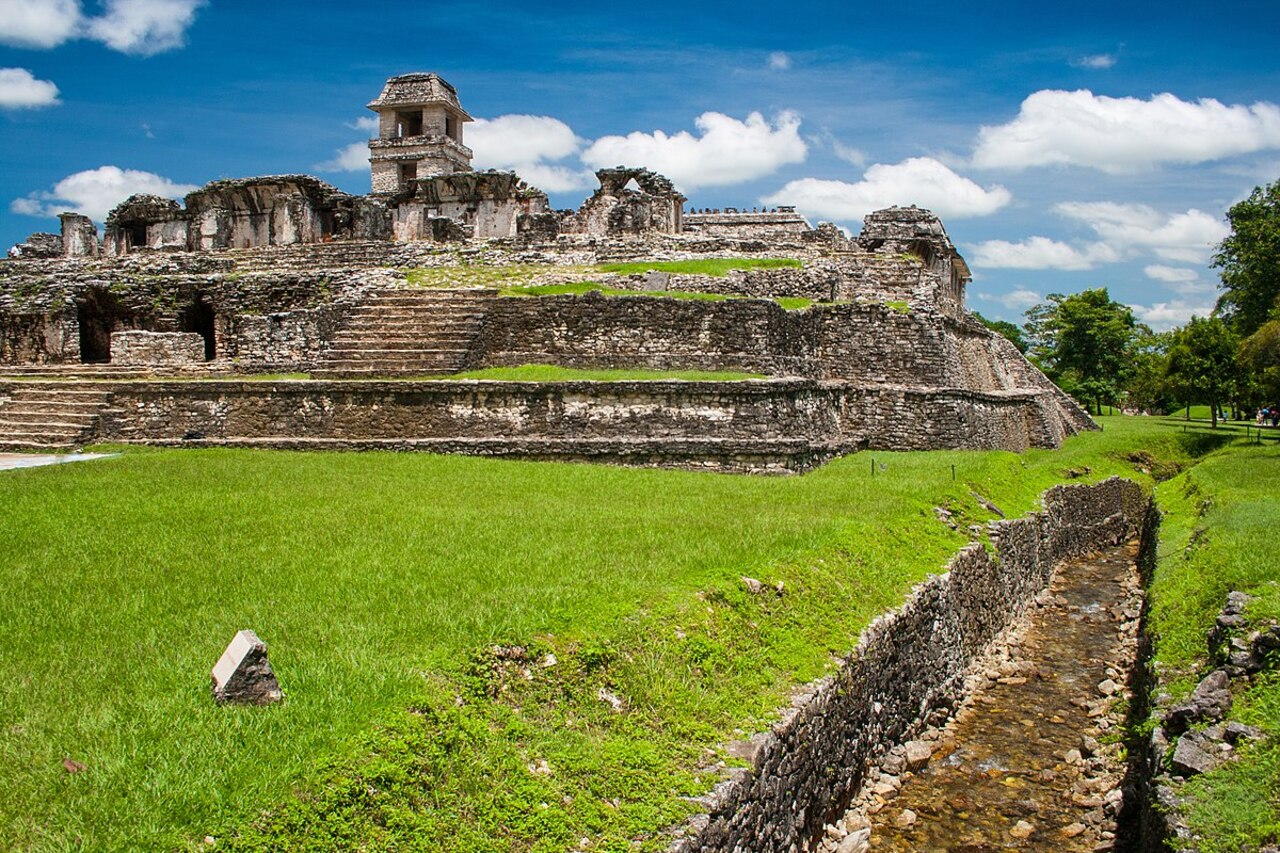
x=1035 y=759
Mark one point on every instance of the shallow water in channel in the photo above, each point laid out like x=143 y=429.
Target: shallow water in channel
x=1002 y=776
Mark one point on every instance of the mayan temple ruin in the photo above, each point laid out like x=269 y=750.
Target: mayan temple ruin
x=169 y=326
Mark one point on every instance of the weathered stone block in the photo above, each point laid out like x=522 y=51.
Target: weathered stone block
x=243 y=675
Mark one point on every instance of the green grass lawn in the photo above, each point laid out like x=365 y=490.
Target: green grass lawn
x=1220 y=534
x=491 y=275
x=790 y=303
x=381 y=583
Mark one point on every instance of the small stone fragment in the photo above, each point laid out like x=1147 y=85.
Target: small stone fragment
x=1190 y=759
x=1108 y=687
x=906 y=819
x=858 y=841
x=1022 y=829
x=73 y=766
x=917 y=754
x=1071 y=830
x=753 y=586
x=243 y=676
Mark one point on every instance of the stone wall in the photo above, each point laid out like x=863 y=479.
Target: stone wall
x=752 y=425
x=157 y=349
x=907 y=666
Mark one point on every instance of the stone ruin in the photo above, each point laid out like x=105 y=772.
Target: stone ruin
x=287 y=274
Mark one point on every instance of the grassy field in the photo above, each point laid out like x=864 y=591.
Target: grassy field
x=791 y=303
x=1220 y=534
x=383 y=584
x=490 y=275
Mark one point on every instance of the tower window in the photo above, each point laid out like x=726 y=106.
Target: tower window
x=409 y=123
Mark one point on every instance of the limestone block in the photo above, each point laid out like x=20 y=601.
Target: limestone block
x=243 y=675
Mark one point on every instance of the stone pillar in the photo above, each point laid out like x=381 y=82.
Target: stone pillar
x=79 y=236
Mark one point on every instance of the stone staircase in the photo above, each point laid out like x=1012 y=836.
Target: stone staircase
x=49 y=417
x=407 y=332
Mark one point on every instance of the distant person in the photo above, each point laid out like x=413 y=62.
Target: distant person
x=1275 y=416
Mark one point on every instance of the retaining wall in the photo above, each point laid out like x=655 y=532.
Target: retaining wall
x=748 y=425
x=907 y=666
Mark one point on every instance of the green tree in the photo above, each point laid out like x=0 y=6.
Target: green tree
x=1250 y=262
x=1009 y=330
x=1260 y=360
x=1084 y=342
x=1147 y=387
x=1202 y=362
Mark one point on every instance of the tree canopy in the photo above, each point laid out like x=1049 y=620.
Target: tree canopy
x=1250 y=261
x=1084 y=341
x=1202 y=362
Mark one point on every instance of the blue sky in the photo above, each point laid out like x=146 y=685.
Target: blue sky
x=1066 y=146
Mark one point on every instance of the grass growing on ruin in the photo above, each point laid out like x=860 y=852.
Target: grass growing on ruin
x=702 y=266
x=383 y=584
x=555 y=373
x=1218 y=535
x=790 y=303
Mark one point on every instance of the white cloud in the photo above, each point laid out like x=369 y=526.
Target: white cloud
x=144 y=27
x=852 y=156
x=921 y=181
x=1096 y=61
x=1041 y=253
x=38 y=23
x=1018 y=300
x=1163 y=316
x=1124 y=134
x=348 y=158
x=95 y=192
x=726 y=151
x=779 y=61
x=140 y=27
x=1179 y=279
x=369 y=124
x=1170 y=275
x=530 y=146
x=19 y=89
x=1183 y=237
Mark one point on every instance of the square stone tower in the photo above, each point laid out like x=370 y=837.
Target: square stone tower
x=419 y=132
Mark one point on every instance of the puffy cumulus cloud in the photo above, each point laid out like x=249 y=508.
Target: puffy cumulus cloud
x=139 y=27
x=19 y=89
x=530 y=146
x=1041 y=253
x=921 y=181
x=368 y=124
x=1124 y=134
x=726 y=151
x=1179 y=279
x=348 y=158
x=1095 y=61
x=144 y=27
x=1171 y=275
x=1019 y=299
x=1184 y=237
x=38 y=23
x=779 y=61
x=1162 y=316
x=94 y=192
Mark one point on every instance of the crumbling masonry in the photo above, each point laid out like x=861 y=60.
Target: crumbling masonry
x=286 y=274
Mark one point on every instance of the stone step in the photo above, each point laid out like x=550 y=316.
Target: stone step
x=442 y=314
x=27 y=432
x=450 y=341
x=19 y=445
x=71 y=419
x=60 y=394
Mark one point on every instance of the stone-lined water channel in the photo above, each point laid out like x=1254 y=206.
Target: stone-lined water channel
x=1032 y=760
